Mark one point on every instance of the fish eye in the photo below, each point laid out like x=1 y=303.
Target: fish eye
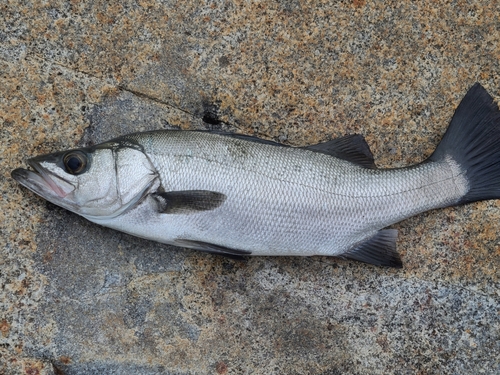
x=75 y=162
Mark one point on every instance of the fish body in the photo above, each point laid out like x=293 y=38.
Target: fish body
x=279 y=200
x=236 y=195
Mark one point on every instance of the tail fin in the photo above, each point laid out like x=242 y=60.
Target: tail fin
x=473 y=141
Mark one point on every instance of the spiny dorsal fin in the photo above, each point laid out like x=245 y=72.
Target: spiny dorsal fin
x=352 y=148
x=188 y=201
x=379 y=250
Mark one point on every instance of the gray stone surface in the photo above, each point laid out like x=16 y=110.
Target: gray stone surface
x=76 y=298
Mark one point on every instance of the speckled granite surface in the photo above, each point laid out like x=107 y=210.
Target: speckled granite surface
x=76 y=298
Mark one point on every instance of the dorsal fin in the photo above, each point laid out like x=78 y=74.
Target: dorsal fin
x=352 y=148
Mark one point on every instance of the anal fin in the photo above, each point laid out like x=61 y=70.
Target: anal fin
x=379 y=250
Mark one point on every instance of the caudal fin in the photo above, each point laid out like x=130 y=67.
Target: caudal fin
x=473 y=141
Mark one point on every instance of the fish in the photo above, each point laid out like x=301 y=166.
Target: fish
x=238 y=195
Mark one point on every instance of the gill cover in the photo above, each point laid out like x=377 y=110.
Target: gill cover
x=135 y=176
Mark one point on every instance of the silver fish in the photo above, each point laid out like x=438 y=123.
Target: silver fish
x=238 y=195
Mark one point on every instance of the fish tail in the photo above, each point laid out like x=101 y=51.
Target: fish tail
x=472 y=140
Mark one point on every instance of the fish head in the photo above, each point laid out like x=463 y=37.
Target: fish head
x=98 y=182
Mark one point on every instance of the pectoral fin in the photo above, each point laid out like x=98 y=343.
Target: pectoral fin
x=379 y=250
x=212 y=248
x=188 y=201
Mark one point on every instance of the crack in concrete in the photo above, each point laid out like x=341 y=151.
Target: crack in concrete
x=109 y=81
x=152 y=98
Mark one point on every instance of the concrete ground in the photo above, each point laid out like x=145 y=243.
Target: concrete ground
x=76 y=298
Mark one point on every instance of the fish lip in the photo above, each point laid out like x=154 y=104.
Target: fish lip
x=28 y=179
x=34 y=182
x=42 y=183
x=47 y=178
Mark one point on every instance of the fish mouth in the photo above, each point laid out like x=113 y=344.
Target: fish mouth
x=49 y=186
